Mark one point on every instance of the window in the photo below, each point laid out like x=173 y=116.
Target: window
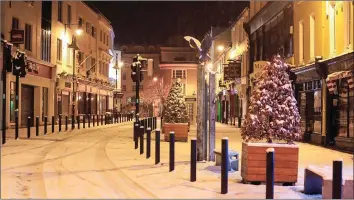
x=15 y=23
x=312 y=37
x=124 y=88
x=80 y=56
x=44 y=102
x=68 y=55
x=60 y=11
x=81 y=22
x=28 y=37
x=12 y=102
x=45 y=45
x=69 y=14
x=179 y=74
x=332 y=29
x=93 y=63
x=93 y=31
x=301 y=42
x=124 y=76
x=88 y=28
x=59 y=49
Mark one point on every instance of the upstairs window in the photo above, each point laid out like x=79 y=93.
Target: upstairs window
x=60 y=11
x=179 y=74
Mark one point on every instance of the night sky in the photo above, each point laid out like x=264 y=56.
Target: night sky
x=154 y=22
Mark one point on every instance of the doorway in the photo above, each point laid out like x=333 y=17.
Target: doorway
x=27 y=104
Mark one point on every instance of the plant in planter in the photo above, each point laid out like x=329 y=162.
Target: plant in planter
x=272 y=117
x=175 y=114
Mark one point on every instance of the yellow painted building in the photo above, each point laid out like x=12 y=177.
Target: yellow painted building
x=324 y=67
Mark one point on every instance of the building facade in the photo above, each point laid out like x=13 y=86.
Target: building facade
x=47 y=89
x=323 y=47
x=181 y=63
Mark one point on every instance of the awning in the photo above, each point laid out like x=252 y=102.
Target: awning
x=331 y=80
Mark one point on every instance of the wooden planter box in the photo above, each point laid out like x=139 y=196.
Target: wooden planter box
x=253 y=164
x=181 y=131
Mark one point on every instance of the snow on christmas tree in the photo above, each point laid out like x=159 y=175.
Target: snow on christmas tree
x=175 y=110
x=272 y=114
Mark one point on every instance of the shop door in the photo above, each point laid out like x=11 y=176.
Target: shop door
x=65 y=100
x=27 y=104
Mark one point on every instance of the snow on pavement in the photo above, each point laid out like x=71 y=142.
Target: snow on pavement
x=101 y=163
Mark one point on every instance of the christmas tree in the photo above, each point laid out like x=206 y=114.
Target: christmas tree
x=272 y=114
x=175 y=110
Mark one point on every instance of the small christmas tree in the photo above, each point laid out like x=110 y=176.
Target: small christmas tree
x=272 y=114
x=175 y=110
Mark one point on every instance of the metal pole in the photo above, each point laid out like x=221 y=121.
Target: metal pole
x=136 y=135
x=141 y=134
x=148 y=142
x=59 y=122
x=157 y=146
x=74 y=90
x=66 y=123
x=16 y=104
x=45 y=125
x=84 y=121
x=337 y=179
x=270 y=174
x=224 y=165
x=193 y=172
x=28 y=127
x=78 y=121
x=137 y=88
x=72 y=122
x=53 y=123
x=89 y=121
x=37 y=125
x=4 y=91
x=172 y=151
x=16 y=125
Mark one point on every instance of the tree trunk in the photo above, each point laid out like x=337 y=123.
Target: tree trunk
x=200 y=111
x=211 y=116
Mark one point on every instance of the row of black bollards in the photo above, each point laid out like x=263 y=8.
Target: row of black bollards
x=100 y=118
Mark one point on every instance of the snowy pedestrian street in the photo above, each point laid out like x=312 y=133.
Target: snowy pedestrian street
x=101 y=163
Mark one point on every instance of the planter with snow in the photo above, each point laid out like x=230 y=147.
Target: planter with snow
x=180 y=129
x=272 y=116
x=253 y=164
x=175 y=116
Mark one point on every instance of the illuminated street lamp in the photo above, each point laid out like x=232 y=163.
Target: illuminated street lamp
x=74 y=46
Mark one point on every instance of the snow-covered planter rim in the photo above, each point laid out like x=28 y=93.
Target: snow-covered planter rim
x=265 y=144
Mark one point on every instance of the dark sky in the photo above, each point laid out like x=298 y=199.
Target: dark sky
x=153 y=22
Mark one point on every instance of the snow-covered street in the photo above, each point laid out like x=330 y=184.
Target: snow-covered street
x=101 y=162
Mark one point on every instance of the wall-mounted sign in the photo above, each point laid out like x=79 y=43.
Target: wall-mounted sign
x=118 y=95
x=257 y=69
x=190 y=99
x=17 y=36
x=67 y=84
x=232 y=71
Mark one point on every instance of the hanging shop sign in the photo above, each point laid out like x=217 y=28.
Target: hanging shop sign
x=17 y=36
x=232 y=70
x=118 y=95
x=257 y=69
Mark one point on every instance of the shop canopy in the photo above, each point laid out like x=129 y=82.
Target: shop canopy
x=331 y=79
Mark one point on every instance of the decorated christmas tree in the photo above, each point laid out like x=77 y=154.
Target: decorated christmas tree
x=175 y=110
x=272 y=114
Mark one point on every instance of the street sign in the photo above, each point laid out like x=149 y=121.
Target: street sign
x=17 y=36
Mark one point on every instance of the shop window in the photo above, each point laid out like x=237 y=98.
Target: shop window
x=345 y=108
x=12 y=102
x=44 y=102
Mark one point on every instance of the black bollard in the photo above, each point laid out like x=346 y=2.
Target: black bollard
x=172 y=151
x=78 y=121
x=270 y=174
x=141 y=135
x=16 y=125
x=59 y=122
x=148 y=142
x=72 y=122
x=93 y=120
x=37 y=125
x=101 y=120
x=28 y=127
x=83 y=121
x=53 y=123
x=136 y=135
x=45 y=125
x=193 y=160
x=337 y=179
x=66 y=123
x=98 y=120
x=157 y=146
x=224 y=165
x=89 y=121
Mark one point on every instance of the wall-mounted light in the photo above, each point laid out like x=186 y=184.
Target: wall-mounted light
x=220 y=47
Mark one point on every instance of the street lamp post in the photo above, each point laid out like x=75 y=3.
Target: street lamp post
x=74 y=46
